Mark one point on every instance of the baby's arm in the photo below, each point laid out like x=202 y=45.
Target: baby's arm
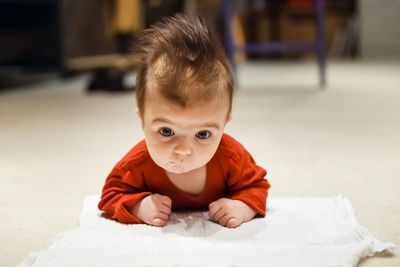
x=248 y=190
x=153 y=209
x=125 y=198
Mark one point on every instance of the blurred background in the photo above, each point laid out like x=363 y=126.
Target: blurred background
x=317 y=104
x=73 y=37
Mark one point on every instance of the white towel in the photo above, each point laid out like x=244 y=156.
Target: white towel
x=295 y=232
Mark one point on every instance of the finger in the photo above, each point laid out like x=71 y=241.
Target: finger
x=214 y=210
x=224 y=219
x=233 y=223
x=166 y=201
x=163 y=216
x=164 y=209
x=212 y=204
x=156 y=196
x=214 y=207
x=221 y=213
x=215 y=203
x=158 y=222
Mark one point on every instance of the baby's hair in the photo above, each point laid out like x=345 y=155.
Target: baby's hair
x=182 y=60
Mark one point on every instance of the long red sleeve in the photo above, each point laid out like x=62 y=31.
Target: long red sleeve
x=124 y=188
x=246 y=182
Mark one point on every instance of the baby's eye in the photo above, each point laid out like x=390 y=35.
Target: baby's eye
x=203 y=134
x=166 y=132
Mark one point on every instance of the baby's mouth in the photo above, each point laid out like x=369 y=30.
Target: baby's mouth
x=175 y=164
x=181 y=162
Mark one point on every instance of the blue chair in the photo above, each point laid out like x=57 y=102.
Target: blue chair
x=318 y=46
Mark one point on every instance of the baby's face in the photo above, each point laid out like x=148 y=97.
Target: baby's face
x=182 y=139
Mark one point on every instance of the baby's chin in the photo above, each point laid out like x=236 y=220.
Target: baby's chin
x=178 y=169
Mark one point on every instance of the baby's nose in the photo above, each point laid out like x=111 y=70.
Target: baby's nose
x=183 y=149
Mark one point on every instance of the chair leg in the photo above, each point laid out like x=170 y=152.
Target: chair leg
x=320 y=44
x=226 y=10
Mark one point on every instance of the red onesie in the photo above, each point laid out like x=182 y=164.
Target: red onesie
x=231 y=173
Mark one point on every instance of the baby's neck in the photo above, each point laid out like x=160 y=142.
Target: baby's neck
x=192 y=182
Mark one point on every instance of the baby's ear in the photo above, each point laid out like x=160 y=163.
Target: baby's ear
x=140 y=116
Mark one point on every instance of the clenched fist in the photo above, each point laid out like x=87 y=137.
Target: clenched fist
x=153 y=209
x=230 y=213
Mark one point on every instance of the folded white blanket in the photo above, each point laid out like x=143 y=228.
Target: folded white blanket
x=295 y=232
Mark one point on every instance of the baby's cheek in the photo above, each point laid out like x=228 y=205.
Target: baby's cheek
x=164 y=152
x=158 y=152
x=206 y=153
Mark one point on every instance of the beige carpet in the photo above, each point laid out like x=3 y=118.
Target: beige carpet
x=57 y=144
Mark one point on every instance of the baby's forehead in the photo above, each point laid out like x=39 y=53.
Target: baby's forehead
x=187 y=100
x=207 y=114
x=187 y=93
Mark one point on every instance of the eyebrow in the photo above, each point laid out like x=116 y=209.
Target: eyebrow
x=205 y=125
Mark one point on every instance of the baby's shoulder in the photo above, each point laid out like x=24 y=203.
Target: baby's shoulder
x=230 y=148
x=136 y=157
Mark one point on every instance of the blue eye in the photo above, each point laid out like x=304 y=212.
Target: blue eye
x=203 y=135
x=166 y=132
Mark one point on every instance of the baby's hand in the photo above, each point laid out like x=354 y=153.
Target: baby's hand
x=153 y=209
x=230 y=213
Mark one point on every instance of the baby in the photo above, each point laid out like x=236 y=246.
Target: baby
x=184 y=101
